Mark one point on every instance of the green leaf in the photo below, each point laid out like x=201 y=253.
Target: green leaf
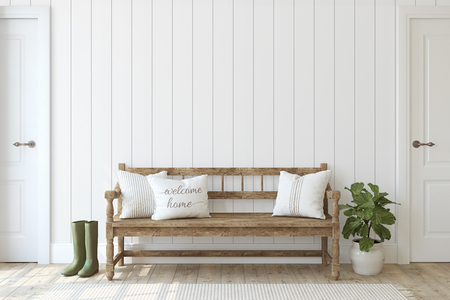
x=375 y=189
x=364 y=230
x=388 y=218
x=382 y=232
x=382 y=215
x=366 y=243
x=365 y=214
x=377 y=216
x=364 y=200
x=383 y=201
x=356 y=188
x=345 y=206
x=349 y=212
x=350 y=227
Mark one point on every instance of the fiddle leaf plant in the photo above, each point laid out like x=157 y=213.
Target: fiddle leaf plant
x=367 y=213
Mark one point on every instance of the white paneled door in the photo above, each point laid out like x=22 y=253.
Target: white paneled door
x=430 y=123
x=18 y=123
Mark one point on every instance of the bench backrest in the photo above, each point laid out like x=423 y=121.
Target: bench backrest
x=222 y=194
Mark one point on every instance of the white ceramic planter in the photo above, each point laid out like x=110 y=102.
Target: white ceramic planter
x=367 y=263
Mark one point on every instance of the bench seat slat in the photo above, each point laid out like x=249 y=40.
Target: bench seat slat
x=223 y=232
x=227 y=220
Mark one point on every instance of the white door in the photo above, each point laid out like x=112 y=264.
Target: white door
x=18 y=123
x=430 y=122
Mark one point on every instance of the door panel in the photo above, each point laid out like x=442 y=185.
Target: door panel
x=18 y=123
x=437 y=77
x=437 y=222
x=430 y=166
x=10 y=110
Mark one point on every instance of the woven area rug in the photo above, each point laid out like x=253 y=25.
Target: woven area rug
x=224 y=292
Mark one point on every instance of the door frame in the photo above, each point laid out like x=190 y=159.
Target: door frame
x=405 y=15
x=42 y=15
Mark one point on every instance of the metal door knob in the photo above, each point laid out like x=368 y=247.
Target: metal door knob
x=30 y=144
x=417 y=144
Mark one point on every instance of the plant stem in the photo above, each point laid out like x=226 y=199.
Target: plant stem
x=370 y=226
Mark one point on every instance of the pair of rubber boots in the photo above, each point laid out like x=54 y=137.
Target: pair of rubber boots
x=85 y=241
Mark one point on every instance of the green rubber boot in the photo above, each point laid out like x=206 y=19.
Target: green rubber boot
x=79 y=249
x=91 y=265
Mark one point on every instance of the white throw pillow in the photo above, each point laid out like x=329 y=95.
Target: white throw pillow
x=137 y=195
x=176 y=199
x=301 y=196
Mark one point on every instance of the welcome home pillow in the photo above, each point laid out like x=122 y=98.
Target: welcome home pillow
x=137 y=195
x=301 y=196
x=176 y=199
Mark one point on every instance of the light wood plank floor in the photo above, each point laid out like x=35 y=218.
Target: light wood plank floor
x=425 y=280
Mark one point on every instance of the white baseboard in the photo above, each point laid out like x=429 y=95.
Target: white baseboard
x=63 y=253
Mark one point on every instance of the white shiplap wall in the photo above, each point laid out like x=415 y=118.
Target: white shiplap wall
x=218 y=83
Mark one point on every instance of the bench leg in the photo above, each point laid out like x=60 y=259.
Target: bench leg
x=109 y=252
x=324 y=250
x=121 y=249
x=335 y=267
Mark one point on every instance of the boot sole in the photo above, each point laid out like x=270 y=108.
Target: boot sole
x=68 y=275
x=84 y=276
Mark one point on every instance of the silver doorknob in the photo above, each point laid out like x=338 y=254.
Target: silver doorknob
x=30 y=144
x=417 y=144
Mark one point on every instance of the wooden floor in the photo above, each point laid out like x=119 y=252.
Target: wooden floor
x=425 y=280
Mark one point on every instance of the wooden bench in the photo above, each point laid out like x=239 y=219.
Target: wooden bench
x=225 y=224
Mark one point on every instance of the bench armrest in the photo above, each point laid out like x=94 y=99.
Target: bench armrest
x=110 y=196
x=335 y=196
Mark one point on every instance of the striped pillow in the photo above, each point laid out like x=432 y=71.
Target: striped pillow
x=301 y=196
x=138 y=200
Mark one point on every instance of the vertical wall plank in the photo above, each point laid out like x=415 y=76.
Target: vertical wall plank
x=263 y=84
x=5 y=2
x=243 y=101
x=40 y=2
x=202 y=111
x=364 y=95
x=81 y=110
x=283 y=83
x=263 y=96
x=443 y=2
x=223 y=93
x=101 y=109
x=344 y=168
x=304 y=84
x=425 y=2
x=406 y=2
x=20 y=3
x=162 y=88
x=324 y=84
x=304 y=89
x=385 y=12
x=182 y=88
x=141 y=84
x=162 y=83
x=284 y=89
x=243 y=83
x=182 y=83
x=61 y=122
x=202 y=84
x=141 y=89
x=243 y=96
x=121 y=84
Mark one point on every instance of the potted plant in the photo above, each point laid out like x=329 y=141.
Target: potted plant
x=368 y=213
